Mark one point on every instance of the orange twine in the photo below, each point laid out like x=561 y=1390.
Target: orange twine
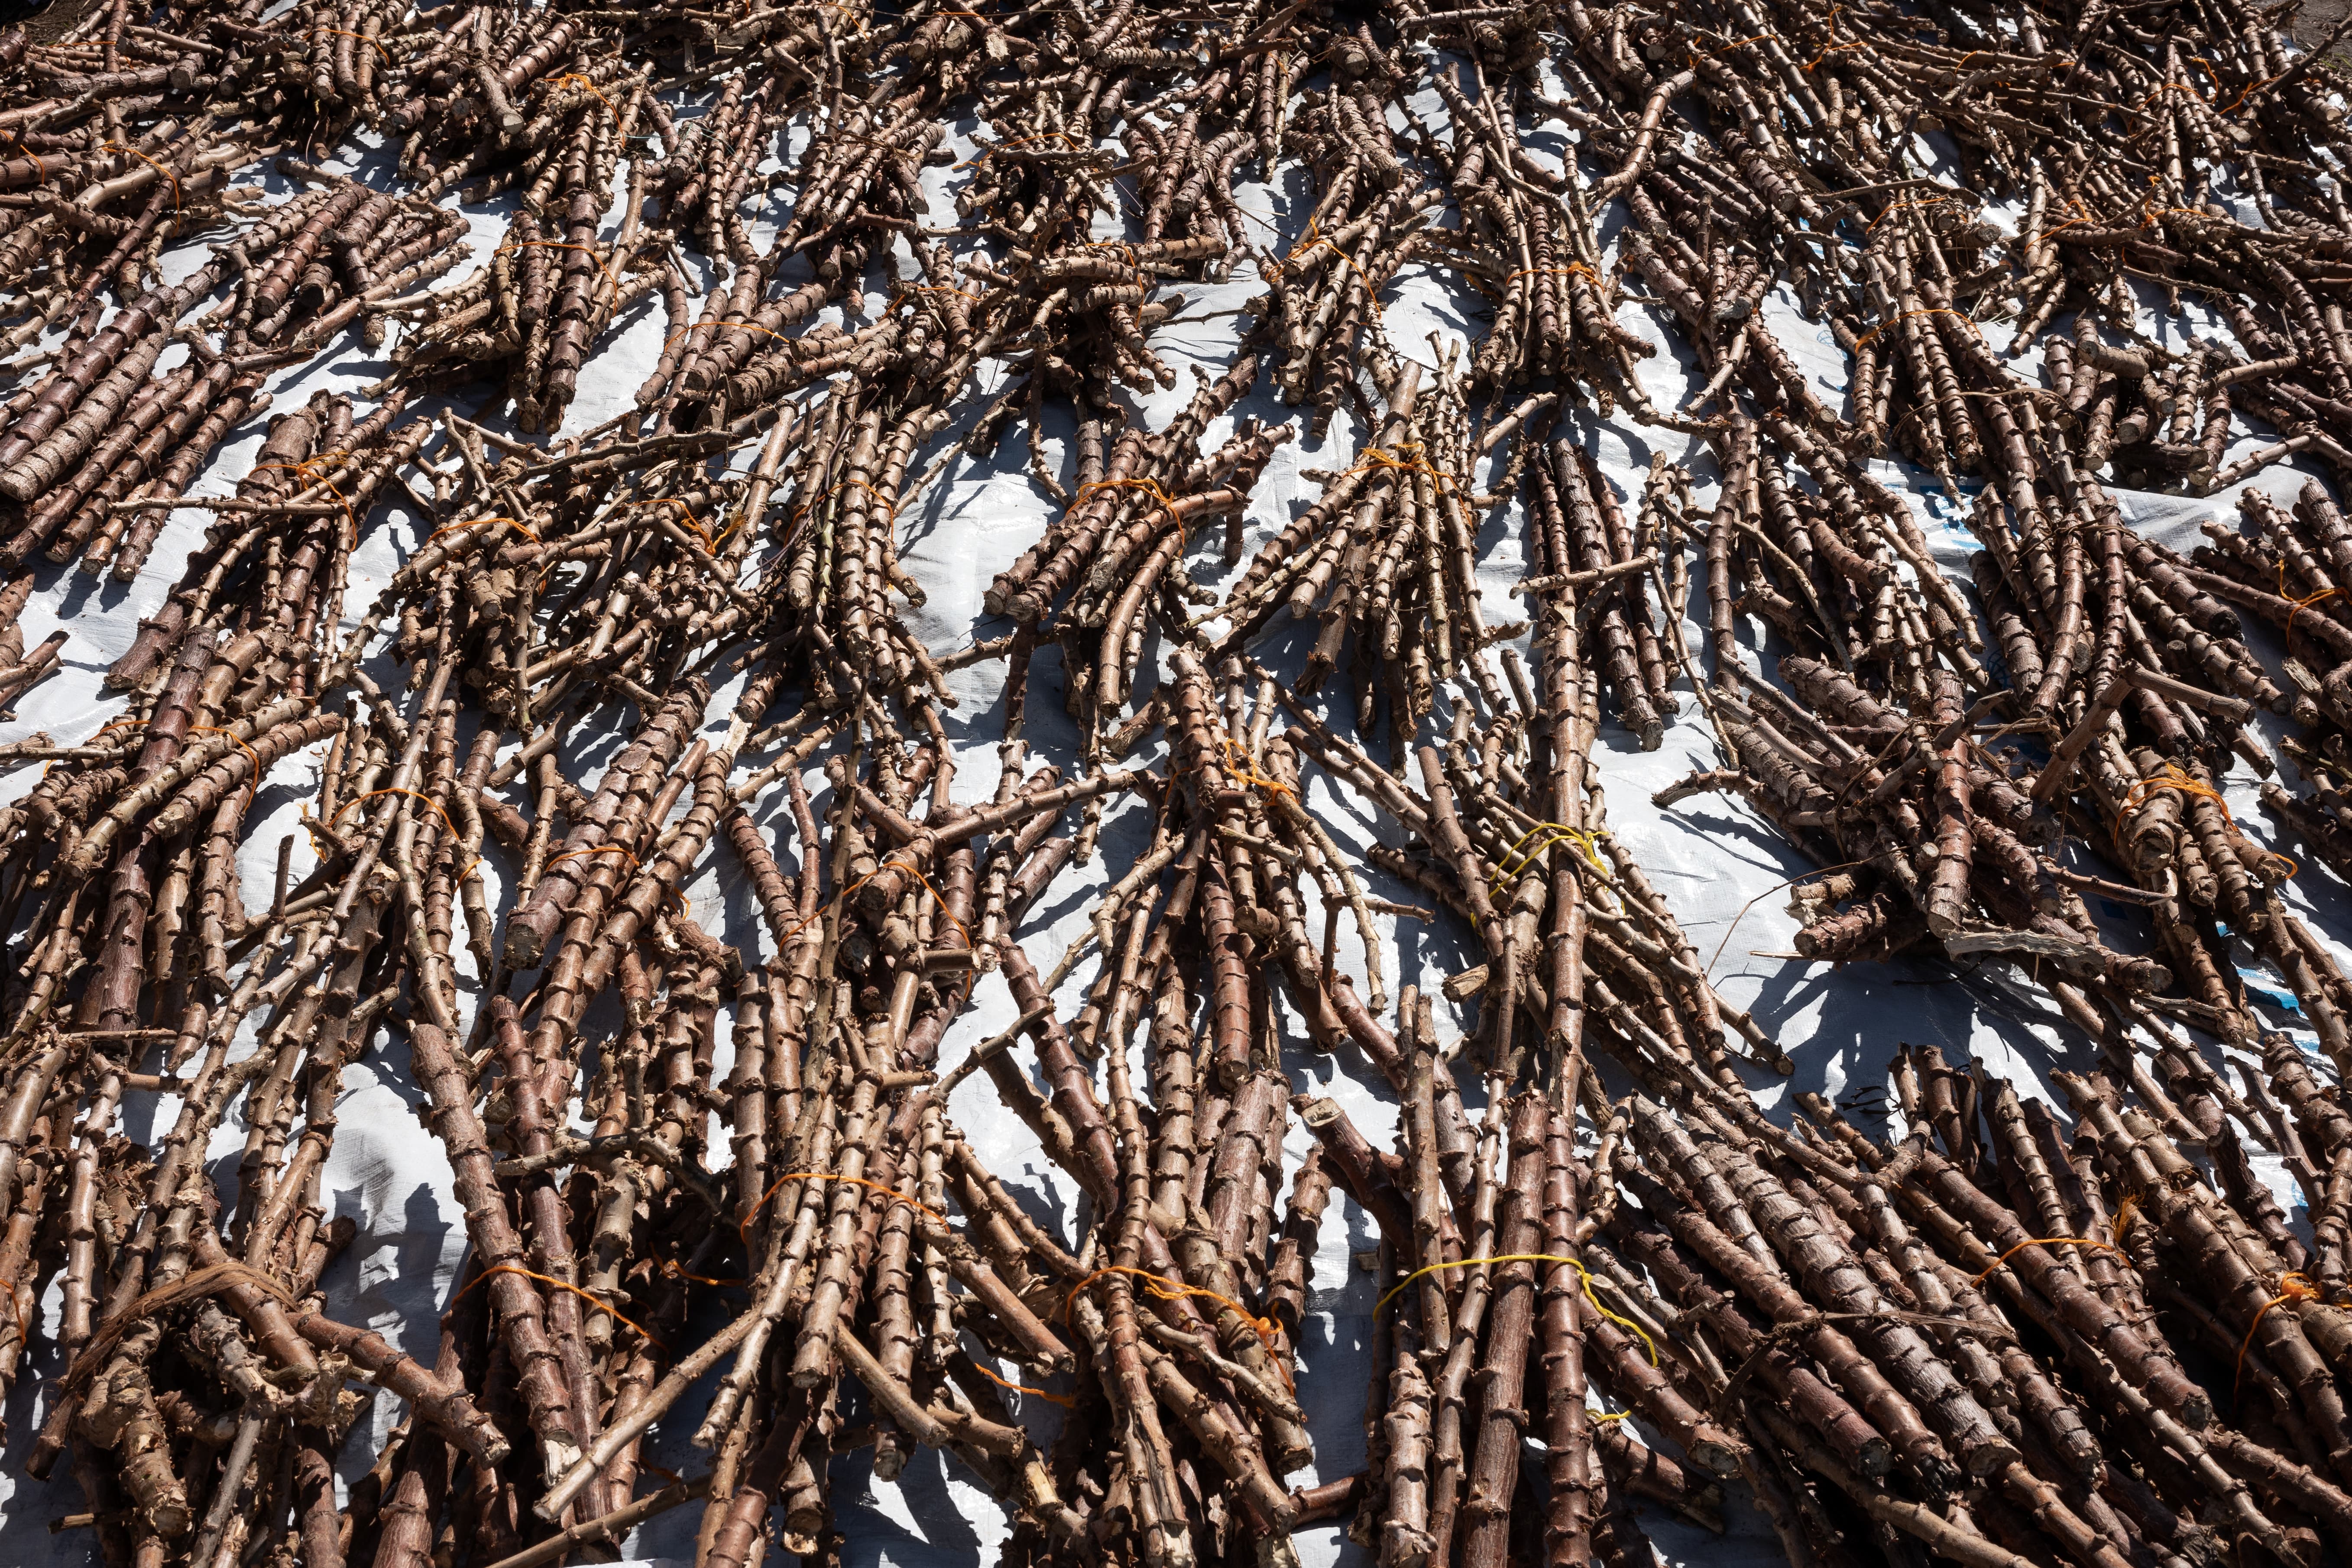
x=744 y=1226
x=2126 y=1212
x=808 y=507
x=1064 y=1400
x=692 y=521
x=40 y=169
x=2069 y=223
x=1151 y=486
x=1315 y=237
x=2047 y=1241
x=1142 y=278
x=1898 y=206
x=935 y=289
x=1264 y=1328
x=1376 y=457
x=670 y=1268
x=830 y=899
x=304 y=466
x=746 y=326
x=429 y=800
x=2250 y=87
x=1835 y=49
x=1573 y=269
x=560 y=1285
x=583 y=81
x=255 y=783
x=2299 y=604
x=477 y=522
x=119 y=147
x=2293 y=1287
x=2172 y=778
x=1925 y=311
x=363 y=38
x=1735 y=44
x=1238 y=763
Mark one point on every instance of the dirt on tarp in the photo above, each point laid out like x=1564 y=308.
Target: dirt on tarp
x=42 y=21
x=2317 y=20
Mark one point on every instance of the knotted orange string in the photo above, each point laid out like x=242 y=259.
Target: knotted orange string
x=2299 y=604
x=1238 y=763
x=477 y=522
x=671 y=1267
x=2047 y=1241
x=2250 y=87
x=304 y=466
x=1375 y=457
x=1898 y=206
x=1149 y=486
x=1925 y=310
x=934 y=289
x=970 y=975
x=1177 y=1290
x=363 y=38
x=1315 y=237
x=2085 y=216
x=692 y=521
x=428 y=799
x=251 y=784
x=1834 y=50
x=40 y=169
x=744 y=1226
x=119 y=147
x=2172 y=778
x=560 y=1285
x=745 y=326
x=1064 y=1400
x=583 y=81
x=2293 y=1287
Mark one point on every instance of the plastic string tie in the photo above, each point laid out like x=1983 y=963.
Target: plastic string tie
x=560 y=1285
x=2047 y=1241
x=1584 y=1274
x=1166 y=1290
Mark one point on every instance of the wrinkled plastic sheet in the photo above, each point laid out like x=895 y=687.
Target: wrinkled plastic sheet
x=1720 y=866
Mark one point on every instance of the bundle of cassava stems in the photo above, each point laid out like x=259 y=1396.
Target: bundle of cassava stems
x=617 y=658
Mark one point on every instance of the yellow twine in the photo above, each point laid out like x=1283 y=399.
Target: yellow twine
x=1583 y=838
x=1648 y=1344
